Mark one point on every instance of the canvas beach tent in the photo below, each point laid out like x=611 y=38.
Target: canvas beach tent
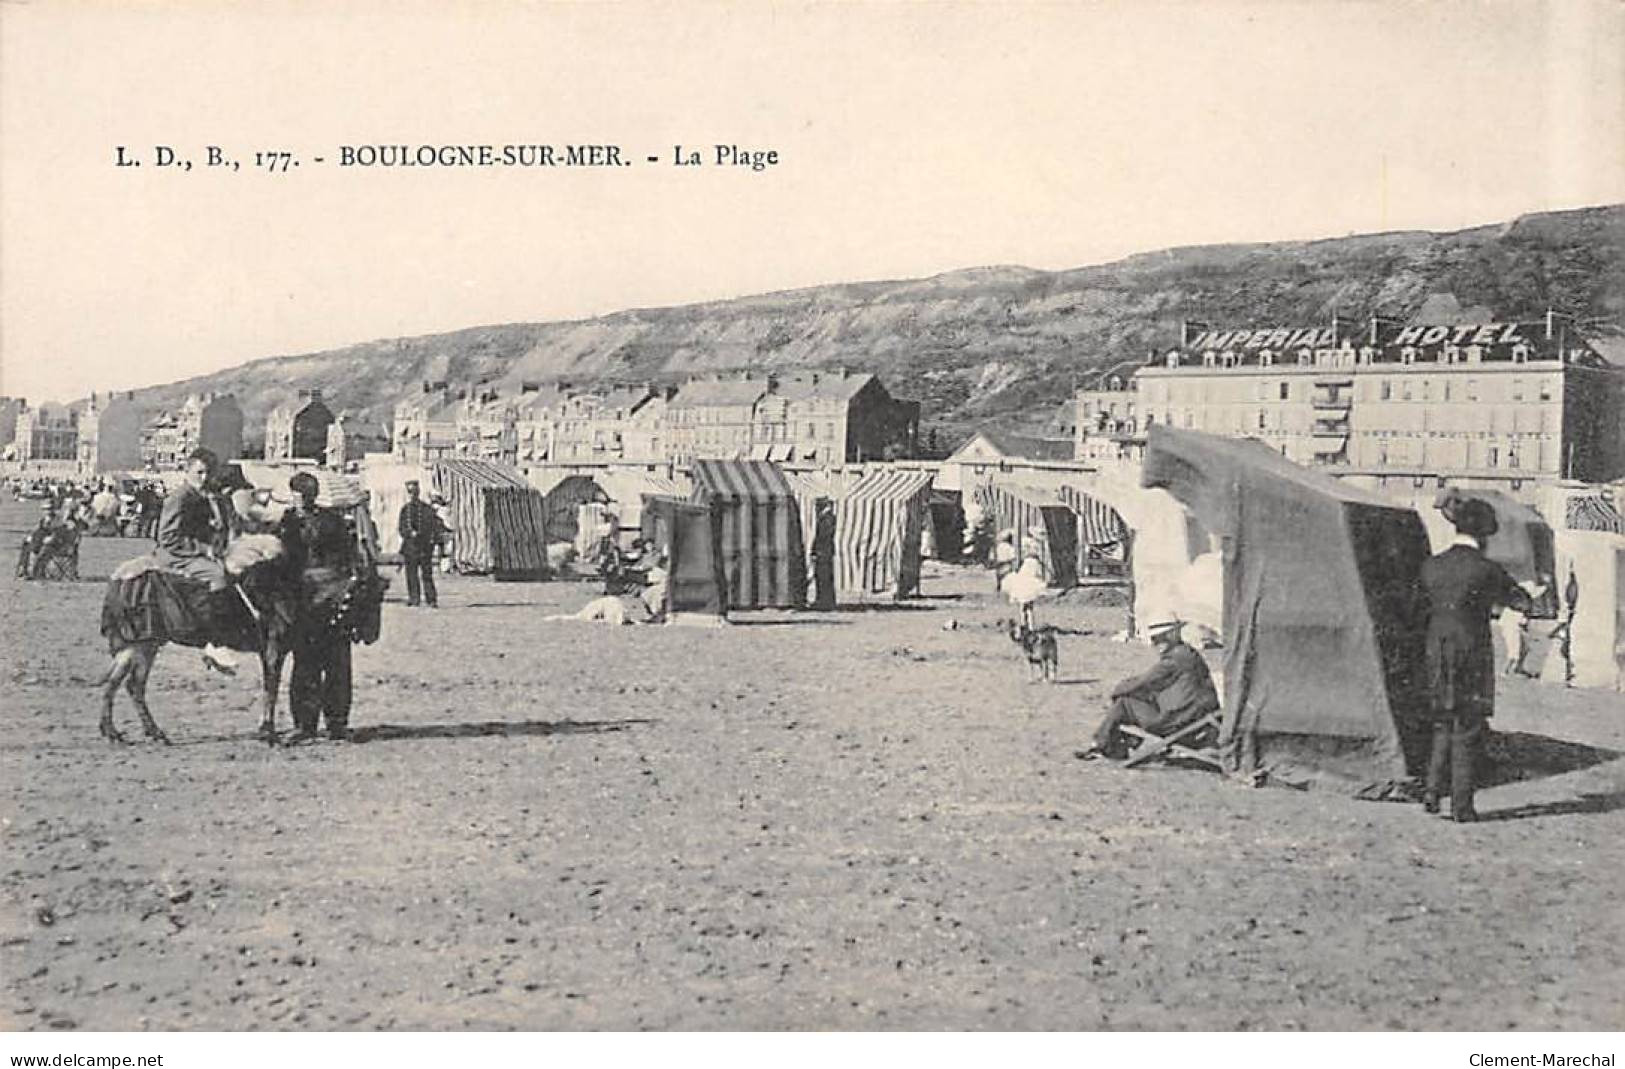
x=690 y=536
x=878 y=526
x=1584 y=646
x=1322 y=676
x=1174 y=568
x=1103 y=537
x=1042 y=526
x=385 y=482
x=497 y=518
x=626 y=489
x=564 y=495
x=763 y=554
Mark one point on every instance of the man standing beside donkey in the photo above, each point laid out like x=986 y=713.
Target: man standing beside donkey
x=421 y=533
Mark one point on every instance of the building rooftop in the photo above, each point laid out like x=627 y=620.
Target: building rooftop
x=822 y=385
x=723 y=392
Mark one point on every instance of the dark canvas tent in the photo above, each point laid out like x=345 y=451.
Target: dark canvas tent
x=690 y=535
x=564 y=500
x=1044 y=527
x=763 y=554
x=496 y=518
x=1320 y=678
x=878 y=524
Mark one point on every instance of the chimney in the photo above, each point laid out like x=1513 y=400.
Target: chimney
x=1550 y=324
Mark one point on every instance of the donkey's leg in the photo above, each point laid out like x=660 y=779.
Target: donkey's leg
x=136 y=684
x=118 y=669
x=271 y=658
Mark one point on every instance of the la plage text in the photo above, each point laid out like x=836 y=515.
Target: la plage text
x=1518 y=1061
x=406 y=155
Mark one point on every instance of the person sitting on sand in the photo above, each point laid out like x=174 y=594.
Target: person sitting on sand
x=1177 y=690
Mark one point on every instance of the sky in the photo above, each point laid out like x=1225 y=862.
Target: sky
x=912 y=139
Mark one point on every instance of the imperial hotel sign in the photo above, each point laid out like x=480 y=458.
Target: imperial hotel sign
x=1497 y=401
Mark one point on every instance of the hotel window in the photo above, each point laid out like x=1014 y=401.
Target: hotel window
x=1407 y=355
x=1517 y=391
x=1495 y=456
x=1545 y=389
x=1447 y=389
x=1387 y=390
x=1512 y=456
x=1520 y=352
x=1261 y=419
x=1472 y=389
x=1305 y=355
x=1266 y=357
x=1425 y=388
x=1286 y=391
x=1452 y=353
x=1405 y=389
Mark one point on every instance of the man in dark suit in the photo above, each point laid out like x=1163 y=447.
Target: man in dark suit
x=1462 y=588
x=321 y=684
x=1175 y=691
x=420 y=535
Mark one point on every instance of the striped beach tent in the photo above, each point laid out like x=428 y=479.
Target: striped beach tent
x=497 y=519
x=810 y=487
x=1102 y=534
x=763 y=553
x=1042 y=524
x=1592 y=512
x=878 y=523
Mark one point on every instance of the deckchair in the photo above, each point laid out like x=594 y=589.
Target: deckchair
x=1197 y=741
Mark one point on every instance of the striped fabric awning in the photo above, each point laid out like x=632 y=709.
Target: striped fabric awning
x=747 y=480
x=1098 y=523
x=877 y=533
x=1592 y=512
x=480 y=472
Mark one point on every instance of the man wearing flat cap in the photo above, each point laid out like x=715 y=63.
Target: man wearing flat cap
x=320 y=686
x=421 y=533
x=1175 y=691
x=1462 y=587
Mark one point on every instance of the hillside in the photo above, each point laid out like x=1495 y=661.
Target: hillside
x=997 y=345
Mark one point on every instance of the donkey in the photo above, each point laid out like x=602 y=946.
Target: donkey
x=280 y=602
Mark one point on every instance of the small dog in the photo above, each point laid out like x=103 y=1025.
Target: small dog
x=1038 y=643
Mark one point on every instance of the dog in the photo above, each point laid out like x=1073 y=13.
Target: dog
x=1038 y=643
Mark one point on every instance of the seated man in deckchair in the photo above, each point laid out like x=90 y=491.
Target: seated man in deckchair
x=1175 y=691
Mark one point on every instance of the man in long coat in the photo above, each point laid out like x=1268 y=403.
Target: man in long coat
x=1462 y=588
x=823 y=555
x=1175 y=691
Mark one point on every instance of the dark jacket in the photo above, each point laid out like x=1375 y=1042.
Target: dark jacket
x=1179 y=683
x=320 y=538
x=420 y=530
x=1462 y=587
